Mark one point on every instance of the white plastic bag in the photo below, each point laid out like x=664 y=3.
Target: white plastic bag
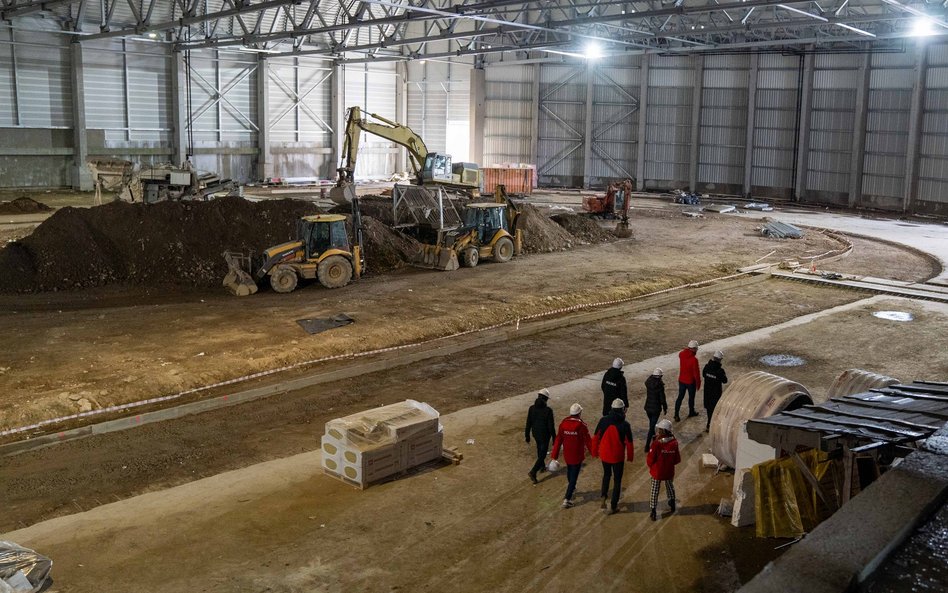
x=553 y=465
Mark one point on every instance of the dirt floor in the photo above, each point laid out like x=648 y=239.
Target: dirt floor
x=280 y=526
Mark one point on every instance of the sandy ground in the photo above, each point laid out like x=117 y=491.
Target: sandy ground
x=92 y=348
x=281 y=526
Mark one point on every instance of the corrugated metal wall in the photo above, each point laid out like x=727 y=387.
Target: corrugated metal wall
x=832 y=120
x=723 y=133
x=561 y=125
x=615 y=121
x=668 y=121
x=775 y=124
x=439 y=103
x=887 y=125
x=373 y=89
x=300 y=117
x=508 y=107
x=933 y=151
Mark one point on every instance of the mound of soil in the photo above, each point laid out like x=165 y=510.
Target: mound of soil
x=23 y=205
x=378 y=207
x=584 y=228
x=385 y=248
x=540 y=233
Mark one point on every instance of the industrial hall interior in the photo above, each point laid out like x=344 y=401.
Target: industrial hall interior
x=480 y=296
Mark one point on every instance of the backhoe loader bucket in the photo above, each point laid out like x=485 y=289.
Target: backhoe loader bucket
x=435 y=257
x=238 y=281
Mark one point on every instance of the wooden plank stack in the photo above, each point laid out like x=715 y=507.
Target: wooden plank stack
x=377 y=444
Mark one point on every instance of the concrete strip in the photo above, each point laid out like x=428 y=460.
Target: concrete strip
x=364 y=368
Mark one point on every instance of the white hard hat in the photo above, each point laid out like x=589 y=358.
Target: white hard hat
x=718 y=354
x=664 y=424
x=658 y=372
x=545 y=393
x=693 y=344
x=618 y=404
x=617 y=363
x=575 y=410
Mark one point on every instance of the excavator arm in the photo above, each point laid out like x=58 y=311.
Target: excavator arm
x=397 y=133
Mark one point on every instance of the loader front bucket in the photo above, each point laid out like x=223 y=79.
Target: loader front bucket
x=435 y=257
x=237 y=280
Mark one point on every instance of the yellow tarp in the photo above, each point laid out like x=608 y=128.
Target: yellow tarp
x=786 y=504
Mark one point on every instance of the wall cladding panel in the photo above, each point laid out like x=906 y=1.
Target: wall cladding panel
x=508 y=108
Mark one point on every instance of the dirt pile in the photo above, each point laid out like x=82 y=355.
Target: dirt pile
x=540 y=233
x=378 y=207
x=23 y=205
x=584 y=228
x=385 y=248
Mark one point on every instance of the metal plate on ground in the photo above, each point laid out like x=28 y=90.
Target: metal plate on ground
x=316 y=325
x=894 y=315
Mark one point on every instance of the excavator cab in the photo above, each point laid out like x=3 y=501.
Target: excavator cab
x=437 y=167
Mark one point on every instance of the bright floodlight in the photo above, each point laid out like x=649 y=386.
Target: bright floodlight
x=593 y=51
x=923 y=27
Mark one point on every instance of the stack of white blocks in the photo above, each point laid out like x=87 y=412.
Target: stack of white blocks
x=374 y=445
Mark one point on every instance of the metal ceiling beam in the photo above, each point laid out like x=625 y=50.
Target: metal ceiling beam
x=32 y=7
x=454 y=54
x=388 y=43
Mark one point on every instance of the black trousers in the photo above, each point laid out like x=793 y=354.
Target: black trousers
x=612 y=470
x=652 y=420
x=542 y=448
x=690 y=388
x=710 y=413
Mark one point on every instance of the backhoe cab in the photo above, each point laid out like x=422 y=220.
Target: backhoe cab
x=487 y=235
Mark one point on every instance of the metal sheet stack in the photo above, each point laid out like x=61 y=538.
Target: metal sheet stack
x=376 y=444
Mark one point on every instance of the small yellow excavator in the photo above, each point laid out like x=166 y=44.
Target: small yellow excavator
x=322 y=251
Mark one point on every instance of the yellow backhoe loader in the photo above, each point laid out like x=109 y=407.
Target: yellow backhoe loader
x=322 y=251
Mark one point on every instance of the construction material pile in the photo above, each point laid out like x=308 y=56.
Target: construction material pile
x=584 y=228
x=540 y=233
x=781 y=230
x=374 y=445
x=23 y=205
x=177 y=243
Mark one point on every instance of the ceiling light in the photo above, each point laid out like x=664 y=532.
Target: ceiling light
x=153 y=35
x=593 y=51
x=923 y=27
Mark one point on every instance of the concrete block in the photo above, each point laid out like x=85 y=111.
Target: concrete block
x=745 y=509
x=709 y=460
x=750 y=452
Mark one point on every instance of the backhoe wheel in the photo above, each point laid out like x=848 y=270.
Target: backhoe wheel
x=334 y=272
x=503 y=250
x=283 y=279
x=470 y=257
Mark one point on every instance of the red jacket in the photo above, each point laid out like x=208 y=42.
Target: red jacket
x=688 y=371
x=573 y=436
x=663 y=457
x=612 y=438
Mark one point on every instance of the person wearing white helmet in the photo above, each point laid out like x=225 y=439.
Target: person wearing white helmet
x=661 y=460
x=714 y=380
x=541 y=425
x=689 y=379
x=655 y=403
x=614 y=386
x=573 y=437
x=612 y=444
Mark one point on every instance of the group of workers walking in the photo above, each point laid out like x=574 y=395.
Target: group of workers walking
x=612 y=440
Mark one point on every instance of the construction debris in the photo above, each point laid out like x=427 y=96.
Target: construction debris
x=720 y=208
x=690 y=198
x=133 y=182
x=317 y=325
x=22 y=570
x=375 y=445
x=781 y=230
x=761 y=206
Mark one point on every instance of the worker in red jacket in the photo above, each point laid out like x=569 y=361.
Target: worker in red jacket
x=573 y=437
x=661 y=460
x=612 y=444
x=689 y=379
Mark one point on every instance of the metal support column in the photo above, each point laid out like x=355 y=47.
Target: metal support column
x=858 y=157
x=264 y=158
x=696 y=123
x=81 y=177
x=401 y=109
x=535 y=121
x=751 y=123
x=803 y=138
x=337 y=114
x=643 y=120
x=915 y=128
x=179 y=108
x=588 y=129
x=478 y=115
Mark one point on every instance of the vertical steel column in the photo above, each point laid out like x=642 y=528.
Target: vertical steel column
x=588 y=130
x=535 y=121
x=264 y=157
x=401 y=109
x=803 y=138
x=915 y=128
x=337 y=114
x=858 y=157
x=16 y=87
x=128 y=107
x=643 y=123
x=751 y=123
x=81 y=177
x=696 y=123
x=179 y=108
x=217 y=92
x=478 y=115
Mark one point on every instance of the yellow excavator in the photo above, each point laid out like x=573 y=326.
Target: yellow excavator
x=430 y=168
x=322 y=251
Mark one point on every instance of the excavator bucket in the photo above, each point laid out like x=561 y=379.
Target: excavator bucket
x=435 y=257
x=237 y=280
x=622 y=229
x=343 y=194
